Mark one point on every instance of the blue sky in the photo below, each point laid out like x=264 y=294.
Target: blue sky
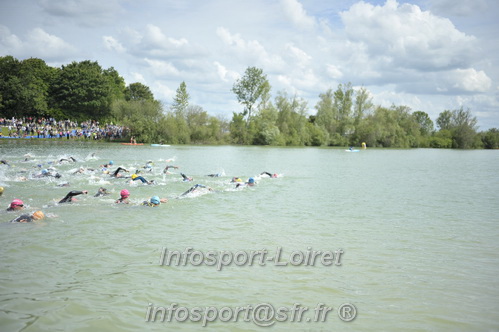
x=428 y=55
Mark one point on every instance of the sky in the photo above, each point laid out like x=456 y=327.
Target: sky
x=430 y=55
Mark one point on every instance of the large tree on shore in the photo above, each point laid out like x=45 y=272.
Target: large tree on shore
x=250 y=89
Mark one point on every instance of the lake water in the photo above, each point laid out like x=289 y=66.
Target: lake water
x=418 y=231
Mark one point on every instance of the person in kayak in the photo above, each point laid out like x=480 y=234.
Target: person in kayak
x=124 y=194
x=16 y=205
x=37 y=215
x=69 y=197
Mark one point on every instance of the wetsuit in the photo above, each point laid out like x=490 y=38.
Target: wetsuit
x=214 y=175
x=122 y=200
x=141 y=179
x=147 y=203
x=185 y=177
x=115 y=174
x=193 y=188
x=167 y=167
x=23 y=218
x=101 y=192
x=70 y=195
x=267 y=174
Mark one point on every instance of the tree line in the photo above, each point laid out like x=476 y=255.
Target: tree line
x=343 y=117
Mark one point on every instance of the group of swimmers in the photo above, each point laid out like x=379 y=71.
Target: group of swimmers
x=154 y=201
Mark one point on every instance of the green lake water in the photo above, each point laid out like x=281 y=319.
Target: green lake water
x=419 y=232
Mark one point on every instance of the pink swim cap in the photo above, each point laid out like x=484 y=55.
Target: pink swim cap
x=16 y=202
x=125 y=193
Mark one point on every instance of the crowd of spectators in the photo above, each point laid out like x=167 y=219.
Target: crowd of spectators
x=50 y=128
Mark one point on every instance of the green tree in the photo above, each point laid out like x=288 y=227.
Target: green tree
x=426 y=126
x=490 y=139
x=138 y=91
x=464 y=128
x=444 y=120
x=82 y=91
x=181 y=100
x=343 y=101
x=250 y=89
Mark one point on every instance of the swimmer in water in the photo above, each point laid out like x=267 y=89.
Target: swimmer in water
x=155 y=201
x=71 y=194
x=124 y=194
x=215 y=175
x=110 y=163
x=1 y=191
x=70 y=159
x=251 y=182
x=117 y=174
x=101 y=192
x=235 y=179
x=136 y=177
x=46 y=173
x=148 y=166
x=65 y=184
x=193 y=188
x=4 y=162
x=185 y=178
x=165 y=171
x=270 y=175
x=16 y=205
x=37 y=215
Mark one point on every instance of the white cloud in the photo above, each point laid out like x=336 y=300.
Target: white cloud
x=411 y=38
x=37 y=43
x=112 y=44
x=225 y=74
x=333 y=71
x=470 y=80
x=160 y=68
x=294 y=11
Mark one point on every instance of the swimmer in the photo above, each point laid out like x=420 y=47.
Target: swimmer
x=165 y=171
x=70 y=159
x=110 y=163
x=45 y=172
x=71 y=194
x=124 y=197
x=148 y=166
x=251 y=182
x=1 y=191
x=270 y=175
x=16 y=205
x=65 y=184
x=117 y=174
x=37 y=215
x=185 y=177
x=136 y=177
x=155 y=201
x=193 y=188
x=216 y=175
x=4 y=162
x=82 y=170
x=101 y=192
x=235 y=179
